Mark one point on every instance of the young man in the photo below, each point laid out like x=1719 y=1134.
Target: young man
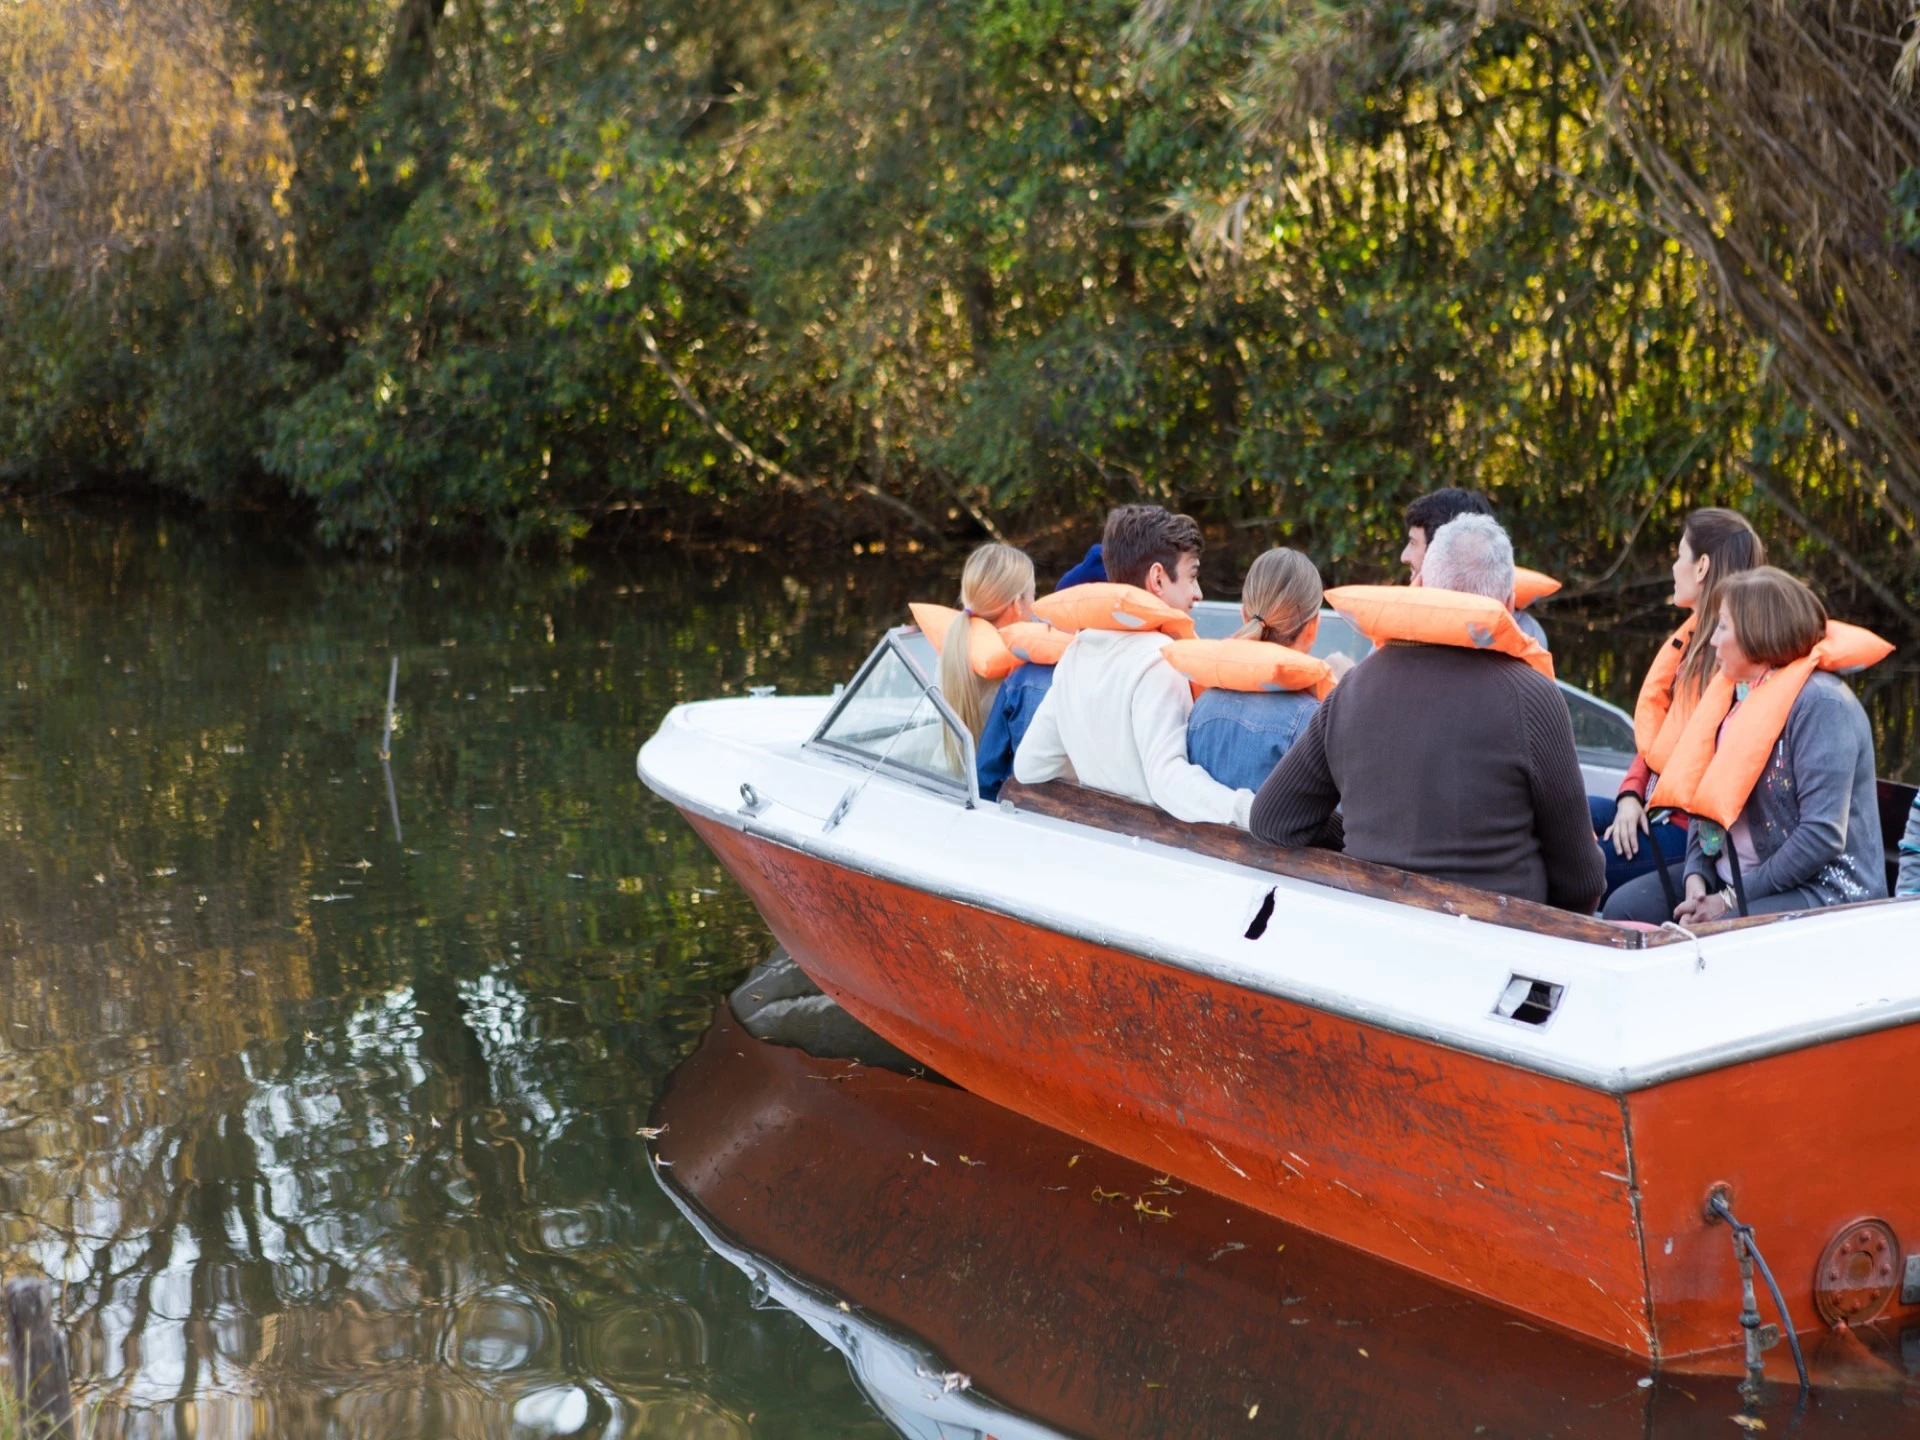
x=1427 y=514
x=1116 y=716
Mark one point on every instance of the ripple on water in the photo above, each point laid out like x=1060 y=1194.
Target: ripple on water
x=501 y=1330
x=633 y=1344
x=562 y=1231
x=552 y=1410
x=685 y=1415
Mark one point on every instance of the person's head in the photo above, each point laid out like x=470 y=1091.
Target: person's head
x=1471 y=554
x=1280 y=600
x=1767 y=619
x=996 y=586
x=1425 y=516
x=1715 y=545
x=1158 y=551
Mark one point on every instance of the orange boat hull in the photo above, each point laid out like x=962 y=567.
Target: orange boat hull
x=1573 y=1205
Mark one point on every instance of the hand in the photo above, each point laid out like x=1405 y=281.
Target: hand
x=1702 y=909
x=1629 y=824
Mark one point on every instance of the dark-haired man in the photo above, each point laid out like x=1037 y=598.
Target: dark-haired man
x=1115 y=718
x=1426 y=515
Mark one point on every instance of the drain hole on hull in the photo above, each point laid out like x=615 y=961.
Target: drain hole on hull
x=1261 y=917
x=1531 y=1002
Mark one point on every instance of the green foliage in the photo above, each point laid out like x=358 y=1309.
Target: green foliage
x=1012 y=259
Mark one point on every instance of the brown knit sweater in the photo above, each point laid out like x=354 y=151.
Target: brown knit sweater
x=1453 y=763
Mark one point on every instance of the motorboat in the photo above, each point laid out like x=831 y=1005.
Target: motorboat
x=985 y=1275
x=1540 y=1109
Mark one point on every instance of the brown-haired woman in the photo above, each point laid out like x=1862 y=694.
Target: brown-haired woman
x=1715 y=545
x=1807 y=830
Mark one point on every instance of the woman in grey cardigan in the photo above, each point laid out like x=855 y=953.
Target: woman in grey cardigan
x=1809 y=832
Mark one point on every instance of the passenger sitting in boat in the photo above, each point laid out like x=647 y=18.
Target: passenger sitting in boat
x=1116 y=716
x=1238 y=736
x=1425 y=516
x=1775 y=766
x=1714 y=544
x=1910 y=853
x=1091 y=570
x=996 y=586
x=1445 y=755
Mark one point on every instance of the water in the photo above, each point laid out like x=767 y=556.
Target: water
x=319 y=1097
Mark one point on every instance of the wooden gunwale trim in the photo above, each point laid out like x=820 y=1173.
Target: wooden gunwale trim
x=1058 y=800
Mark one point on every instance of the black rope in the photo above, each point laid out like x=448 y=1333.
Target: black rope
x=1739 y=888
x=1660 y=863
x=1743 y=1234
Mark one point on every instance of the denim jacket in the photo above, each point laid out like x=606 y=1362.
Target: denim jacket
x=1815 y=811
x=1008 y=716
x=1238 y=737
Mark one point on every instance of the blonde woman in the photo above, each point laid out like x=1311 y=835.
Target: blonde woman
x=1238 y=737
x=996 y=586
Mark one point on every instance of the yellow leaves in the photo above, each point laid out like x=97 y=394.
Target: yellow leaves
x=619 y=276
x=133 y=126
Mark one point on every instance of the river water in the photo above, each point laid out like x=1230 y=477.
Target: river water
x=321 y=1080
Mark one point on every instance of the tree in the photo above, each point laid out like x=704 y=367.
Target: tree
x=135 y=127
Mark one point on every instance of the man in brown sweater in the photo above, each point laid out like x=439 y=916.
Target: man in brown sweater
x=1447 y=761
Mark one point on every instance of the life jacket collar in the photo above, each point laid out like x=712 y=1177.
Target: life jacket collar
x=1429 y=616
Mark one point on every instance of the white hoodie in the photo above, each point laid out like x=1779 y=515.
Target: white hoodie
x=1115 y=719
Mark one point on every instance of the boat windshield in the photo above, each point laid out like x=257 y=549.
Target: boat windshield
x=892 y=717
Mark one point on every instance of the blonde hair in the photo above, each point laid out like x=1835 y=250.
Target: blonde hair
x=1282 y=594
x=996 y=577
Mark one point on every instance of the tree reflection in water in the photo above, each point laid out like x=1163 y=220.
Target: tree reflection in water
x=326 y=1134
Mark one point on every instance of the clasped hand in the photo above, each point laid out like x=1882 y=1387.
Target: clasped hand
x=1700 y=907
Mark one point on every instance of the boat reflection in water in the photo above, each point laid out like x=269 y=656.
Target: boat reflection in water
x=987 y=1276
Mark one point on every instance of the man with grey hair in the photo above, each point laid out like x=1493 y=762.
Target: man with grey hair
x=1471 y=554
x=1450 y=760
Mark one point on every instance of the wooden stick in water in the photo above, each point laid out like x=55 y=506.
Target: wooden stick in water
x=393 y=682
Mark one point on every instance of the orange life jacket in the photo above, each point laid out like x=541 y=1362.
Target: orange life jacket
x=993 y=653
x=1251 y=666
x=1660 y=714
x=1437 y=617
x=1713 y=770
x=1107 y=605
x=1531 y=585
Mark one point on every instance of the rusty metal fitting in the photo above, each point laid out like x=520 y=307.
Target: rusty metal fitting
x=1857 y=1274
x=1722 y=1191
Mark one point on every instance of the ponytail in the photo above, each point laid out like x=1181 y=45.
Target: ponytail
x=996 y=579
x=1282 y=594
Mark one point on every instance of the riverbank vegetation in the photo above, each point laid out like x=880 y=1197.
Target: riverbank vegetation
x=433 y=268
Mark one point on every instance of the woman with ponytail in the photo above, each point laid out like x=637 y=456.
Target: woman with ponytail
x=1715 y=545
x=996 y=586
x=1237 y=737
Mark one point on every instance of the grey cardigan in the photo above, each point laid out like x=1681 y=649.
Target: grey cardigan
x=1815 y=812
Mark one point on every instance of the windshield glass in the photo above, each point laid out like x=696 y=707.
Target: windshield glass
x=889 y=716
